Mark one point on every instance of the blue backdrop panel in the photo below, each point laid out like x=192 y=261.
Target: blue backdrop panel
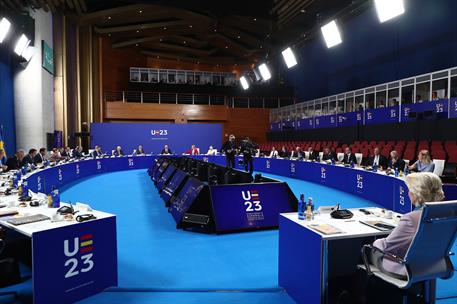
x=349 y=119
x=239 y=207
x=439 y=107
x=179 y=137
x=327 y=121
x=453 y=108
x=382 y=115
x=7 y=101
x=305 y=123
x=72 y=263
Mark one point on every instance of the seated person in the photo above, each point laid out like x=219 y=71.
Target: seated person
x=297 y=154
x=140 y=150
x=377 y=159
x=211 y=151
x=65 y=152
x=349 y=157
x=193 y=150
x=313 y=155
x=97 y=152
x=395 y=162
x=166 y=150
x=40 y=157
x=28 y=159
x=422 y=188
x=283 y=152
x=15 y=161
x=274 y=153
x=118 y=151
x=423 y=163
x=3 y=160
x=328 y=155
x=77 y=152
x=55 y=155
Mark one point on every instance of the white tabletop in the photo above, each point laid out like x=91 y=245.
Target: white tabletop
x=351 y=228
x=29 y=229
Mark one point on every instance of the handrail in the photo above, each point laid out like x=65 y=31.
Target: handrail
x=197 y=99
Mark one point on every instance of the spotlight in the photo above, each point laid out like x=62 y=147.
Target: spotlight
x=28 y=53
x=388 y=9
x=289 y=57
x=21 y=44
x=244 y=82
x=331 y=34
x=4 y=28
x=264 y=71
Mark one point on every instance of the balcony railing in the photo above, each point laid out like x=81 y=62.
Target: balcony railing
x=197 y=99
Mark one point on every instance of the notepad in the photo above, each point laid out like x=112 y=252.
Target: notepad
x=325 y=229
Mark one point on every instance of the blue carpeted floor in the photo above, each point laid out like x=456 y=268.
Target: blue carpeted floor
x=160 y=264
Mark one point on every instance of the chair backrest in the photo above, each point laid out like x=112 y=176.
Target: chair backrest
x=340 y=156
x=306 y=155
x=321 y=154
x=359 y=157
x=406 y=162
x=439 y=166
x=428 y=255
x=257 y=153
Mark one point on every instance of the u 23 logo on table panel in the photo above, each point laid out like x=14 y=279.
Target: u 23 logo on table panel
x=251 y=200
x=77 y=169
x=159 y=132
x=323 y=173
x=267 y=164
x=402 y=195
x=79 y=253
x=99 y=165
x=359 y=181
x=292 y=167
x=59 y=175
x=131 y=163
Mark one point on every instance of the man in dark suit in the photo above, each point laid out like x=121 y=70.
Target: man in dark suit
x=328 y=155
x=283 y=153
x=297 y=154
x=377 y=159
x=395 y=162
x=77 y=152
x=29 y=158
x=349 y=157
x=97 y=152
x=248 y=150
x=40 y=157
x=313 y=155
x=15 y=161
x=229 y=148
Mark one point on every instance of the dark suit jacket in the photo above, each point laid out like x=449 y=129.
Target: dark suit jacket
x=76 y=154
x=120 y=153
x=399 y=164
x=283 y=154
x=382 y=161
x=95 y=154
x=13 y=163
x=27 y=160
x=329 y=156
x=229 y=148
x=349 y=158
x=313 y=155
x=38 y=159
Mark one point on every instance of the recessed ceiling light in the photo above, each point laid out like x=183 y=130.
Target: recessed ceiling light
x=261 y=46
x=141 y=11
x=239 y=37
x=160 y=39
x=303 y=11
x=109 y=17
x=136 y=44
x=226 y=46
x=137 y=31
x=190 y=26
x=184 y=42
x=164 y=27
x=255 y=19
x=109 y=35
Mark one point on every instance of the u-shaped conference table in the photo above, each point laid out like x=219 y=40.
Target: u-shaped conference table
x=52 y=264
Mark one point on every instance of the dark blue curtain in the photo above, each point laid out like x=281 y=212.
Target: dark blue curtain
x=7 y=100
x=422 y=40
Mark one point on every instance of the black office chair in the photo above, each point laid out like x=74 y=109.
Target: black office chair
x=428 y=256
x=9 y=271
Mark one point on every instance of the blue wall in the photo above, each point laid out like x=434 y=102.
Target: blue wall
x=179 y=137
x=422 y=40
x=7 y=101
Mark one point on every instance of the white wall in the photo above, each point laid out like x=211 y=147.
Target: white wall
x=34 y=91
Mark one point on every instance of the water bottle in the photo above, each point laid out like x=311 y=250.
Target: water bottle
x=301 y=207
x=25 y=188
x=352 y=164
x=55 y=198
x=406 y=170
x=310 y=203
x=375 y=168
x=333 y=161
x=396 y=172
x=15 y=181
x=24 y=170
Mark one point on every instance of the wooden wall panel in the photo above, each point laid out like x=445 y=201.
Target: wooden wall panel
x=240 y=122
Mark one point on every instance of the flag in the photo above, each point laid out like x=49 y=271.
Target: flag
x=2 y=144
